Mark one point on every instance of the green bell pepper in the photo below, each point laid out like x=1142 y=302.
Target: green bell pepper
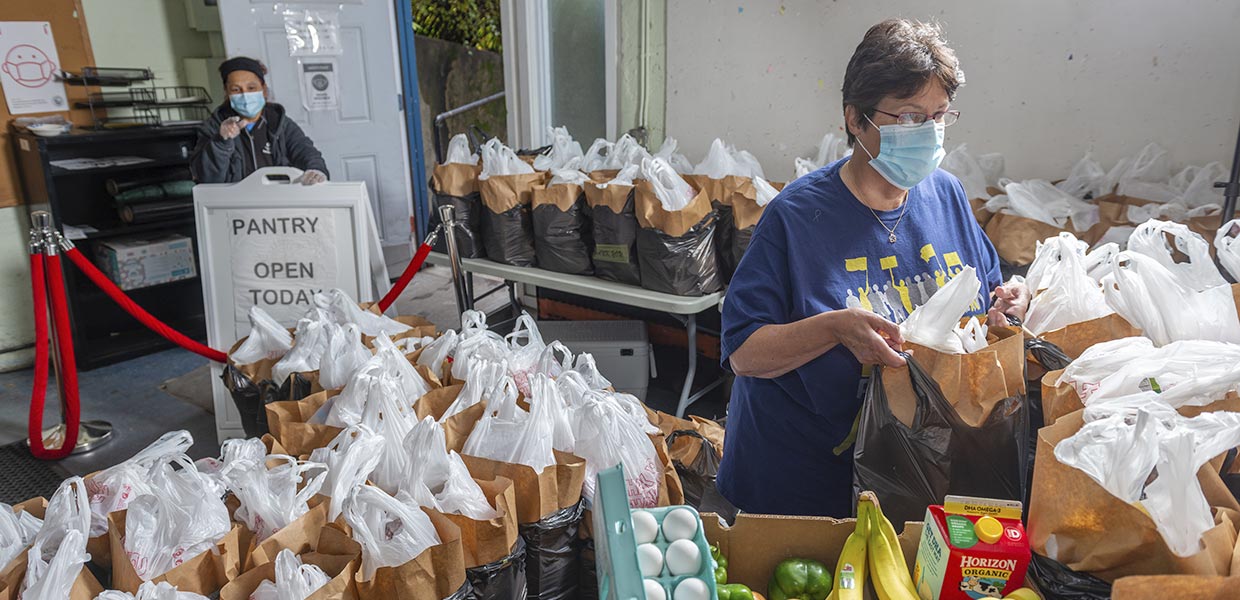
x=800 y=578
x=721 y=565
x=734 y=591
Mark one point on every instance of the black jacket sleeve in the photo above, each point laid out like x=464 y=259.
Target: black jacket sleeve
x=300 y=150
x=212 y=154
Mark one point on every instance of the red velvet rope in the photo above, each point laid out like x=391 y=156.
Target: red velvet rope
x=39 y=279
x=405 y=277
x=154 y=324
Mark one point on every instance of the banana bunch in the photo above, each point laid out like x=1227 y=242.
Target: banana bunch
x=872 y=551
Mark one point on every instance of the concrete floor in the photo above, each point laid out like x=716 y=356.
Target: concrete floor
x=129 y=394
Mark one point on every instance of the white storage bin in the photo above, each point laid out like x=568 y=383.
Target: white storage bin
x=621 y=349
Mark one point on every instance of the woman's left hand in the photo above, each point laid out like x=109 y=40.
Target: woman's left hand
x=1012 y=299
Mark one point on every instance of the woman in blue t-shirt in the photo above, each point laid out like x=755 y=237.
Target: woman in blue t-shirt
x=840 y=257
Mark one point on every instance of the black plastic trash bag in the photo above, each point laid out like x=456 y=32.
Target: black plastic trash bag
x=503 y=579
x=468 y=214
x=251 y=398
x=725 y=231
x=676 y=249
x=456 y=185
x=562 y=241
x=1058 y=582
x=910 y=468
x=552 y=562
x=698 y=477
x=465 y=592
x=589 y=570
x=740 y=243
x=507 y=229
x=614 y=227
x=1050 y=356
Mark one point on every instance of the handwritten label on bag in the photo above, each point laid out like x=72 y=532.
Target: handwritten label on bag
x=613 y=253
x=280 y=259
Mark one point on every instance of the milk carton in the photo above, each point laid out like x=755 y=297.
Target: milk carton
x=971 y=548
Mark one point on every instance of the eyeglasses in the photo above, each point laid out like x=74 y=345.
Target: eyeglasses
x=912 y=119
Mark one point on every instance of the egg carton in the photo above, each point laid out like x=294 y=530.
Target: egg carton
x=619 y=570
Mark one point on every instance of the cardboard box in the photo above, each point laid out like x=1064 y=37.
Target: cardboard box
x=142 y=261
x=755 y=544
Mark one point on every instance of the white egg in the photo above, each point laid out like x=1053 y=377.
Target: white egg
x=649 y=560
x=654 y=590
x=691 y=589
x=679 y=524
x=645 y=528
x=684 y=557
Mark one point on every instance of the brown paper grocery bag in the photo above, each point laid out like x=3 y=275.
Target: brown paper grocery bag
x=436 y=573
x=1097 y=533
x=538 y=494
x=973 y=383
x=341 y=569
x=1059 y=400
x=203 y=574
x=1166 y=587
x=1076 y=338
x=457 y=427
x=13 y=575
x=1016 y=238
x=560 y=195
x=287 y=421
x=614 y=197
x=502 y=193
x=982 y=215
x=650 y=213
x=300 y=537
x=454 y=179
x=671 y=491
x=485 y=542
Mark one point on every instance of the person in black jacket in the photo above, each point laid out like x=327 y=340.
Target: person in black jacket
x=248 y=133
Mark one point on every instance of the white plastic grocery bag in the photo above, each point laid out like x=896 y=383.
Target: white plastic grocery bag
x=459 y=151
x=498 y=159
x=1153 y=299
x=960 y=162
x=506 y=433
x=113 y=488
x=151 y=591
x=58 y=551
x=564 y=149
x=271 y=497
x=1228 y=249
x=673 y=192
x=678 y=161
x=344 y=355
x=932 y=324
x=391 y=531
x=17 y=530
x=1087 y=178
x=342 y=310
x=1067 y=294
x=182 y=517
x=607 y=435
x=1198 y=273
x=267 y=339
x=350 y=459
x=294 y=580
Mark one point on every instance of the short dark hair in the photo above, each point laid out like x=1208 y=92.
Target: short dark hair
x=897 y=58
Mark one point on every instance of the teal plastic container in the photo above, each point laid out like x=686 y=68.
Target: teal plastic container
x=615 y=546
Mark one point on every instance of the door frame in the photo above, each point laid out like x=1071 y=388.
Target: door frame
x=411 y=104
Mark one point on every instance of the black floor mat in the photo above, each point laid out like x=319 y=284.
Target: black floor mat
x=23 y=476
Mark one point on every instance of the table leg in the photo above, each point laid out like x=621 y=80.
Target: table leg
x=686 y=391
x=513 y=301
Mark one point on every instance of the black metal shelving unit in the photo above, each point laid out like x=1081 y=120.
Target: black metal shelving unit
x=103 y=333
x=128 y=97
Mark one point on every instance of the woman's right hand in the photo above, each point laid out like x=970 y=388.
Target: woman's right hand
x=871 y=338
x=230 y=128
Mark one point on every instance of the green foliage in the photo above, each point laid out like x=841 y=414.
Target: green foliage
x=470 y=22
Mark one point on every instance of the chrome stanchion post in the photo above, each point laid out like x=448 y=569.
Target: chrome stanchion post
x=447 y=215
x=91 y=434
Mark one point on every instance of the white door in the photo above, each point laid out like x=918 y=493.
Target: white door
x=364 y=138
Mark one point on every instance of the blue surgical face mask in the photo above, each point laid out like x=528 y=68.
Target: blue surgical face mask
x=907 y=155
x=248 y=104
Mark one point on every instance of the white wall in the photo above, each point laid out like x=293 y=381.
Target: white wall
x=1047 y=80
x=144 y=33
x=16 y=297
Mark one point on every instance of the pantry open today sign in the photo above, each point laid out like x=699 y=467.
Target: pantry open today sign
x=270 y=243
x=280 y=259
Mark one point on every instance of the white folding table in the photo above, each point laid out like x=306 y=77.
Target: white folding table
x=683 y=308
